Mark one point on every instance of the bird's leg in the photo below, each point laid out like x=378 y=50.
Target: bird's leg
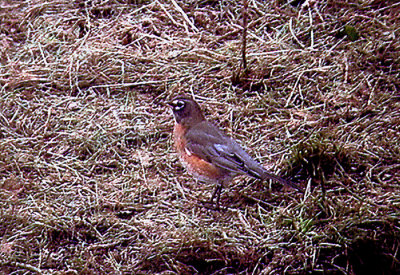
x=214 y=193
x=217 y=192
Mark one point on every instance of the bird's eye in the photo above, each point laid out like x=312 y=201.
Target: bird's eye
x=178 y=105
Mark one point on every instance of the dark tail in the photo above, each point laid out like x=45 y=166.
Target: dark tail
x=251 y=167
x=266 y=175
x=259 y=172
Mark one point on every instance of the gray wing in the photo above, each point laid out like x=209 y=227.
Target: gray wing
x=209 y=143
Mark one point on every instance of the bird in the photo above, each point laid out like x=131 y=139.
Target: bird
x=208 y=153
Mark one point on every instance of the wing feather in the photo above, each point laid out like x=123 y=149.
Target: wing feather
x=209 y=143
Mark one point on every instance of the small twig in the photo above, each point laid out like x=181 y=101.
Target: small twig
x=180 y=188
x=133 y=84
x=169 y=15
x=29 y=267
x=294 y=35
x=244 y=41
x=184 y=15
x=311 y=27
x=236 y=31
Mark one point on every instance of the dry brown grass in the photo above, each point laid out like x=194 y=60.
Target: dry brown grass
x=89 y=182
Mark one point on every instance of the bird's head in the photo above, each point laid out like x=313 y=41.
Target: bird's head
x=186 y=111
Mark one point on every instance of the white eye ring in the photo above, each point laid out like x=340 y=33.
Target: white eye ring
x=178 y=105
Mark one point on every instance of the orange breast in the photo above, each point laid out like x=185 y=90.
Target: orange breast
x=198 y=167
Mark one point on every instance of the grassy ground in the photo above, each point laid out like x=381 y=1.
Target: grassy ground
x=89 y=182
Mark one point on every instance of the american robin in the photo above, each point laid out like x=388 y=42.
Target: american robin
x=209 y=154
